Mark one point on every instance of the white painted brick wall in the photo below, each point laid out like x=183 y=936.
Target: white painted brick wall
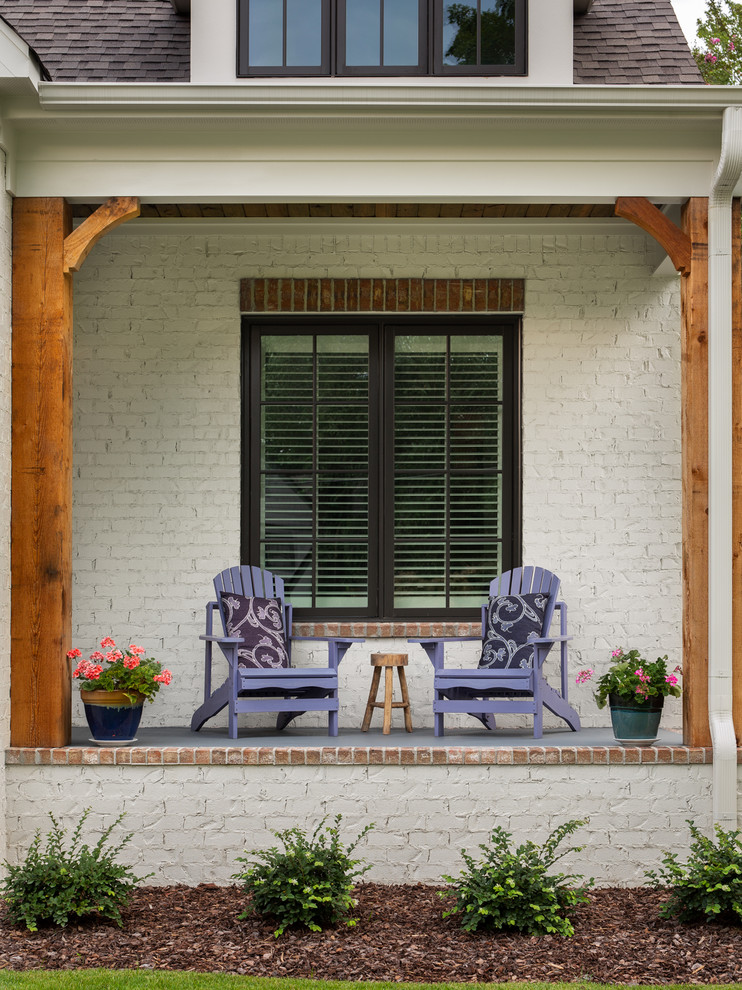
x=191 y=823
x=5 y=431
x=157 y=436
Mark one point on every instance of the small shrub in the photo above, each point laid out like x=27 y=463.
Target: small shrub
x=308 y=882
x=507 y=889
x=54 y=883
x=709 y=884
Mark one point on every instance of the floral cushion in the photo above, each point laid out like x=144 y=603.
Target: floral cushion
x=511 y=622
x=260 y=623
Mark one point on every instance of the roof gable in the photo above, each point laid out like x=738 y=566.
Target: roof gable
x=104 y=40
x=632 y=42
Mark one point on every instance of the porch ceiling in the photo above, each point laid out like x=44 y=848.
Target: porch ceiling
x=465 y=211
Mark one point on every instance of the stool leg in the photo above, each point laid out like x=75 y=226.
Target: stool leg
x=388 y=692
x=405 y=699
x=375 y=677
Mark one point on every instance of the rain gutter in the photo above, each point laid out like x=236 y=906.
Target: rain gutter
x=723 y=738
x=389 y=95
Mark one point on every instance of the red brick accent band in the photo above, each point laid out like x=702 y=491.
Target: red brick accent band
x=382 y=295
x=361 y=756
x=389 y=630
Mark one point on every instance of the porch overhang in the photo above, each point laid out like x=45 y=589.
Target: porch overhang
x=380 y=143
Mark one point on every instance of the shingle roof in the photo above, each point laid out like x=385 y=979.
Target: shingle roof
x=104 y=40
x=632 y=42
x=618 y=42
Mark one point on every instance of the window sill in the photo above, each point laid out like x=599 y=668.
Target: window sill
x=389 y=630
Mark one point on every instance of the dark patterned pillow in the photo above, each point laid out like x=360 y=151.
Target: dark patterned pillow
x=259 y=622
x=511 y=621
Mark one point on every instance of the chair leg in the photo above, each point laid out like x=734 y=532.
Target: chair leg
x=388 y=692
x=232 y=722
x=332 y=723
x=375 y=678
x=438 y=729
x=405 y=699
x=538 y=714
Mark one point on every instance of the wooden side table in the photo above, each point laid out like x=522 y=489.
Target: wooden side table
x=388 y=661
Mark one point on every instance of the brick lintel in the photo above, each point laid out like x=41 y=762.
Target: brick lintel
x=382 y=295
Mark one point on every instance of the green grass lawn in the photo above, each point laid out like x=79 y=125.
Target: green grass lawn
x=100 y=979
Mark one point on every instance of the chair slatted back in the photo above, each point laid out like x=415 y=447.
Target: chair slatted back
x=253 y=582
x=524 y=581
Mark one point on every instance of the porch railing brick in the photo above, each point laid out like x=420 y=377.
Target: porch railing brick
x=361 y=755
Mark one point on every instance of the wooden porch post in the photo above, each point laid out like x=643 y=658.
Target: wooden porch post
x=45 y=253
x=41 y=484
x=694 y=414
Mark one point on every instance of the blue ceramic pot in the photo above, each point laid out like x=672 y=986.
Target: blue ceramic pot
x=112 y=717
x=635 y=723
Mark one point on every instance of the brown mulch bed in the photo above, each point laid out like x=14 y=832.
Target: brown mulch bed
x=400 y=935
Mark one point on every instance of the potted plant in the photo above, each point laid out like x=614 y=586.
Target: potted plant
x=113 y=689
x=636 y=690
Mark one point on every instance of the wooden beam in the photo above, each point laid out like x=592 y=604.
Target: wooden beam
x=82 y=240
x=737 y=467
x=646 y=215
x=41 y=482
x=694 y=416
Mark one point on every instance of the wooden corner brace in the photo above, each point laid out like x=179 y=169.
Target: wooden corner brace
x=82 y=240
x=646 y=215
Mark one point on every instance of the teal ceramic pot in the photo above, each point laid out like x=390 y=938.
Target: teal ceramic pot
x=635 y=723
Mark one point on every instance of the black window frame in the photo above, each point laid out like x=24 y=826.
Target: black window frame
x=430 y=52
x=381 y=536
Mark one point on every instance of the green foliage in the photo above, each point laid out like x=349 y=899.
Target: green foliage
x=55 y=883
x=308 y=882
x=719 y=55
x=507 y=889
x=629 y=676
x=709 y=885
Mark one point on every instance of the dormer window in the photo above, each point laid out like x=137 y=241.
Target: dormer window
x=381 y=37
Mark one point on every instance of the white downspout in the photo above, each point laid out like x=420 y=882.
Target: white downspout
x=723 y=740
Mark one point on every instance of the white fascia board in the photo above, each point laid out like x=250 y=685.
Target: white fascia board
x=556 y=157
x=365 y=94
x=16 y=62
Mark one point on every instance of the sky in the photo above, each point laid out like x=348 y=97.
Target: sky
x=688 y=12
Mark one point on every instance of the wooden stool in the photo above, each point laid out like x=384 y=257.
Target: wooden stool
x=389 y=661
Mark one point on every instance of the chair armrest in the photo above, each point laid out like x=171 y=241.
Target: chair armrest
x=228 y=640
x=326 y=639
x=434 y=647
x=551 y=639
x=336 y=646
x=447 y=639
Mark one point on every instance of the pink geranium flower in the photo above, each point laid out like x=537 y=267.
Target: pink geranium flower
x=128 y=670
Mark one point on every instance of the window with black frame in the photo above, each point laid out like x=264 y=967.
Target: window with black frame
x=381 y=37
x=381 y=463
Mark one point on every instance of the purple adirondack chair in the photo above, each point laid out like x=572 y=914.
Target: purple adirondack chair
x=501 y=690
x=265 y=689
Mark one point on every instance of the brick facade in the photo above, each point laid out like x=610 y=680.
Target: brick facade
x=158 y=430
x=191 y=822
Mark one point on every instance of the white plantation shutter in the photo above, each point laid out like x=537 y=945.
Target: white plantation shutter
x=385 y=471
